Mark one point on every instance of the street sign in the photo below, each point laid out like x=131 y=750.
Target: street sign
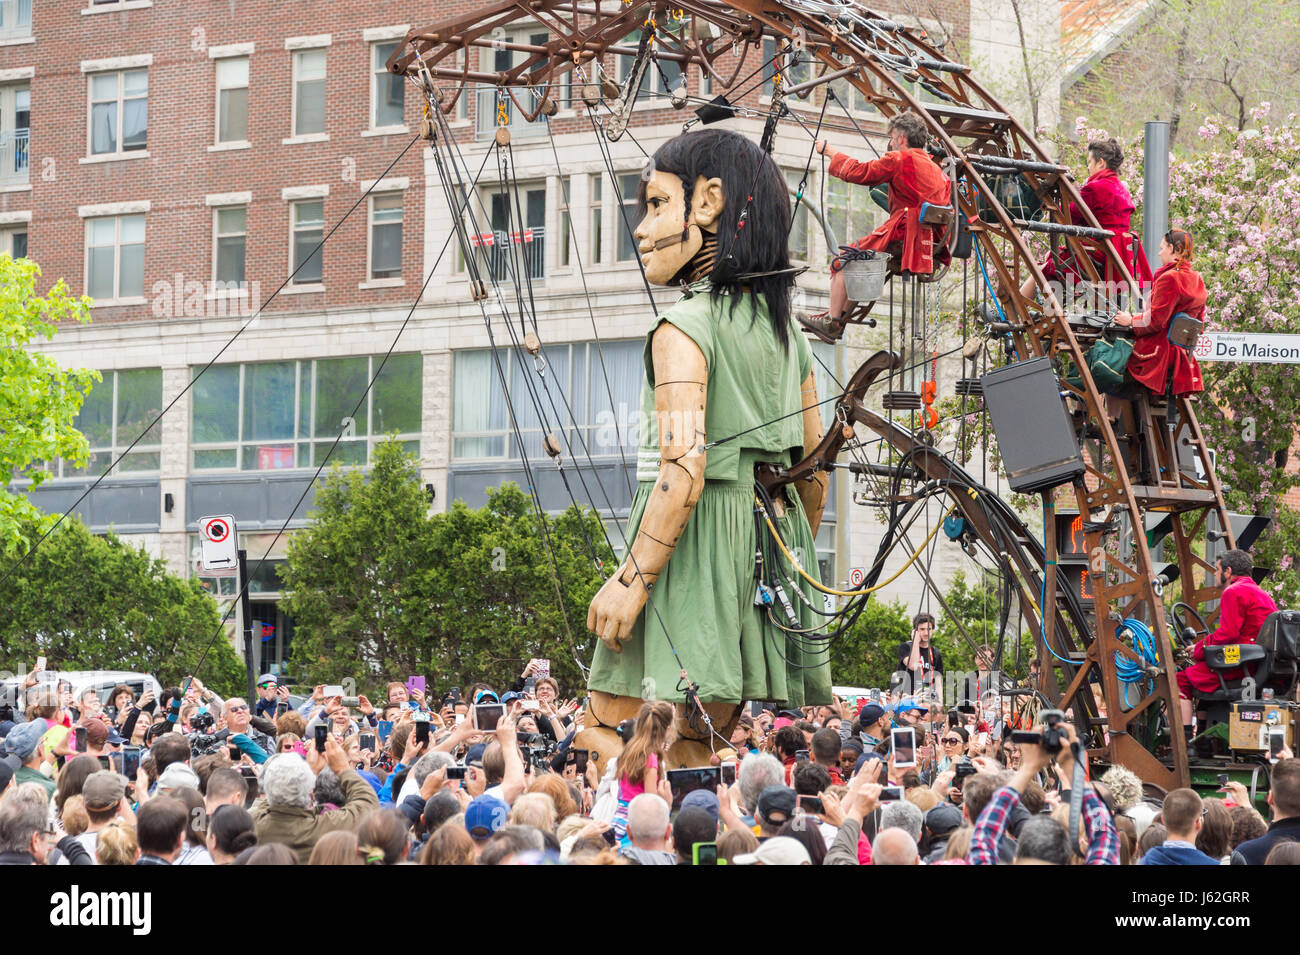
x=220 y=549
x=1248 y=347
x=857 y=576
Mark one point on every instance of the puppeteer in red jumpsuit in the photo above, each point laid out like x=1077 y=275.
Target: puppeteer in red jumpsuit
x=1177 y=288
x=914 y=179
x=1110 y=201
x=1242 y=610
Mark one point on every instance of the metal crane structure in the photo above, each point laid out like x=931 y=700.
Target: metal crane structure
x=1147 y=472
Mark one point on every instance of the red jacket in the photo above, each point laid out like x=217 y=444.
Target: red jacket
x=914 y=178
x=1242 y=610
x=1110 y=201
x=1177 y=288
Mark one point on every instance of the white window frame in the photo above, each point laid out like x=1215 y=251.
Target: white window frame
x=119 y=153
x=218 y=284
x=294 y=135
x=387 y=281
x=7 y=233
x=296 y=285
x=216 y=82
x=596 y=221
x=113 y=6
x=377 y=74
x=117 y=217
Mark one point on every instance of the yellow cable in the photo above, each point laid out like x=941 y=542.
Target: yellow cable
x=847 y=593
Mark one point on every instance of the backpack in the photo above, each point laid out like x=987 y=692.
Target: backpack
x=1280 y=636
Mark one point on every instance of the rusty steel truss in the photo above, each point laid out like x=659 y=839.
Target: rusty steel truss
x=885 y=61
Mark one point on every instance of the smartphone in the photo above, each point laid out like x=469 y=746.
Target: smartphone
x=1276 y=741
x=130 y=761
x=235 y=754
x=683 y=781
x=385 y=730
x=904 y=745
x=368 y=741
x=300 y=748
x=704 y=853
x=982 y=740
x=532 y=705
x=530 y=686
x=891 y=793
x=580 y=761
x=543 y=668
x=755 y=708
x=422 y=731
x=487 y=715
x=322 y=733
x=415 y=683
x=728 y=774
x=460 y=718
x=1224 y=779
x=40 y=663
x=801 y=755
x=81 y=739
x=333 y=690
x=456 y=772
x=810 y=804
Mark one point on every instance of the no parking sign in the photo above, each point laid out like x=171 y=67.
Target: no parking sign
x=219 y=548
x=857 y=577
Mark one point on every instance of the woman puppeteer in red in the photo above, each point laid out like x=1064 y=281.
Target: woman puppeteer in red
x=914 y=179
x=1177 y=288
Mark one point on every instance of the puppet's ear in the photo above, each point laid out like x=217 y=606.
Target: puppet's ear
x=707 y=203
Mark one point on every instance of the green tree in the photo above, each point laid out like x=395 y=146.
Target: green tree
x=458 y=597
x=868 y=654
x=976 y=607
x=88 y=602
x=38 y=399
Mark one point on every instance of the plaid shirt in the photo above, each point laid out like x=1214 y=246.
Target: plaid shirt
x=1103 y=841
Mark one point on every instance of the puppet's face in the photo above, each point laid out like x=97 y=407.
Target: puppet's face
x=667 y=239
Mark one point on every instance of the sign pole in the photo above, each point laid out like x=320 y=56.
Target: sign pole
x=247 y=624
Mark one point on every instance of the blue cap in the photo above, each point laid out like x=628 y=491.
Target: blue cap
x=511 y=696
x=484 y=816
x=908 y=705
x=474 y=755
x=871 y=713
x=705 y=799
x=115 y=738
x=485 y=694
x=23 y=738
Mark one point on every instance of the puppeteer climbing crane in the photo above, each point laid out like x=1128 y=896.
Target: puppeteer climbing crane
x=1158 y=467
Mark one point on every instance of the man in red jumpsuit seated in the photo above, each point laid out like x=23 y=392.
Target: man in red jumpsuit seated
x=914 y=179
x=1242 y=610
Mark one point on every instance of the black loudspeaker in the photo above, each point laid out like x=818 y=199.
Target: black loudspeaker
x=1035 y=435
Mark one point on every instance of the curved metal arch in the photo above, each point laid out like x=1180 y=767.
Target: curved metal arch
x=887 y=56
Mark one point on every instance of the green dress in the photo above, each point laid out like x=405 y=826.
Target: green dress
x=704 y=598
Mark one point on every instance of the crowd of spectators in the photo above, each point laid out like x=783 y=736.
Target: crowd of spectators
x=193 y=779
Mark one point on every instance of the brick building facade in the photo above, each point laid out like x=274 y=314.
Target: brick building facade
x=179 y=149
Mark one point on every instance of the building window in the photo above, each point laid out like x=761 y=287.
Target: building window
x=232 y=99
x=15 y=19
x=481 y=428
x=597 y=218
x=14 y=241
x=660 y=78
x=287 y=414
x=795 y=67
x=15 y=133
x=799 y=225
x=119 y=112
x=115 y=257
x=386 y=236
x=230 y=236
x=114 y=413
x=387 y=91
x=308 y=92
x=487 y=105
x=308 y=230
x=628 y=186
x=565 y=221
x=511 y=249
x=849 y=211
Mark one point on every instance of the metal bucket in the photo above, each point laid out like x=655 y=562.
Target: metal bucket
x=864 y=279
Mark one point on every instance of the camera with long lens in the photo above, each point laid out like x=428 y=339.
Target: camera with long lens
x=1053 y=737
x=202 y=721
x=536 y=749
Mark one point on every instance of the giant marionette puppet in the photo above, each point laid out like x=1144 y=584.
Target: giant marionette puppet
x=724 y=364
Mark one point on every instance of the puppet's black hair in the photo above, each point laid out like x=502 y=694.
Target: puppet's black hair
x=754 y=185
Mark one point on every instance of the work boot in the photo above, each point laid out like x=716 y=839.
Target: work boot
x=821 y=325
